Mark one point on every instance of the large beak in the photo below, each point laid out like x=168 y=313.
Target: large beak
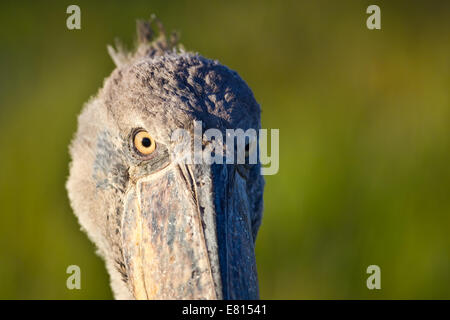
x=185 y=235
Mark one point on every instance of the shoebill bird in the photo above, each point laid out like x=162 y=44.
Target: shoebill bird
x=165 y=228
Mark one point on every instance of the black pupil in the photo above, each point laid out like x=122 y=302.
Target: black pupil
x=146 y=142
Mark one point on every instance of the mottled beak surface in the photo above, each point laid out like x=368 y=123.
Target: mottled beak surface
x=163 y=240
x=172 y=246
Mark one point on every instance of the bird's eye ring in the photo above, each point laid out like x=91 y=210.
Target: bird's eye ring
x=144 y=143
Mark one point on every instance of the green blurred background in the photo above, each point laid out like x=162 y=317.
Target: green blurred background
x=364 y=119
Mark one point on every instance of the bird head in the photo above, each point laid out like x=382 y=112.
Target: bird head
x=166 y=228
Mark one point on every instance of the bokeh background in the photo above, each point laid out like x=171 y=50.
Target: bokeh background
x=364 y=119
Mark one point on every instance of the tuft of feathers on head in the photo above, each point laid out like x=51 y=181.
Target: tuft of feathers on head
x=150 y=43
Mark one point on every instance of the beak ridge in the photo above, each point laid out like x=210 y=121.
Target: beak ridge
x=165 y=250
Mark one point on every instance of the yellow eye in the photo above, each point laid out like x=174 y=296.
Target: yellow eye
x=144 y=143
